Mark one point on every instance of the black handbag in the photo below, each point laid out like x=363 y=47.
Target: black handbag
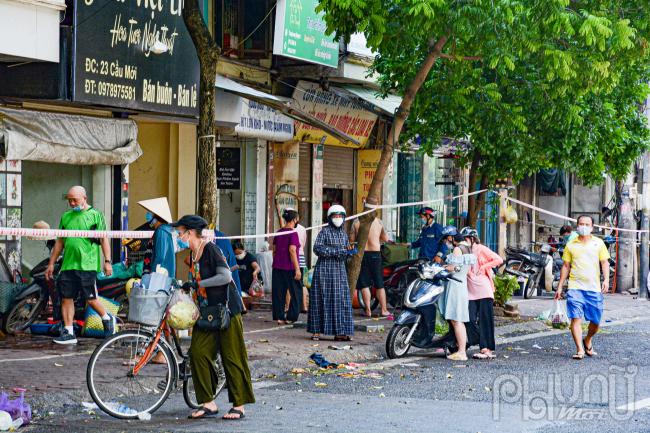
x=215 y=317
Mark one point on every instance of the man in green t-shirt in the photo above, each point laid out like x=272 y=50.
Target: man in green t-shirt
x=81 y=263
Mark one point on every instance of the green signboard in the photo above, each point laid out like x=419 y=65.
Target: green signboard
x=300 y=33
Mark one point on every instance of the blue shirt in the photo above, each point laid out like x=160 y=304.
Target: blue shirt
x=164 y=253
x=229 y=254
x=428 y=241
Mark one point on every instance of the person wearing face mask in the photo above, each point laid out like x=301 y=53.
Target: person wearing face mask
x=583 y=258
x=480 y=287
x=446 y=244
x=161 y=248
x=429 y=235
x=286 y=275
x=249 y=269
x=81 y=263
x=330 y=306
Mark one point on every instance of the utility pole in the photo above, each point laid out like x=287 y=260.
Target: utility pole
x=627 y=240
x=644 y=250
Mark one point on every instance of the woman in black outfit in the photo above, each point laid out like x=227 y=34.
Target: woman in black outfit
x=213 y=282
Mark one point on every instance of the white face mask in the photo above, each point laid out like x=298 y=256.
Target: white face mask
x=241 y=256
x=584 y=230
x=338 y=222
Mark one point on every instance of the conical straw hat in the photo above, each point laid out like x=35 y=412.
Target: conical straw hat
x=158 y=206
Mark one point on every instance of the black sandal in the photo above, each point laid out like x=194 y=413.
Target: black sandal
x=234 y=411
x=342 y=338
x=207 y=413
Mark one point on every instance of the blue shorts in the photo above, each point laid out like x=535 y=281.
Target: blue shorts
x=584 y=304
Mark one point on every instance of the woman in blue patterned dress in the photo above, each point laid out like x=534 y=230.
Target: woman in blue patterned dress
x=330 y=307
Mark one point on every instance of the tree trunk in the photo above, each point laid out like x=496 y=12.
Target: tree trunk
x=208 y=52
x=476 y=202
x=387 y=155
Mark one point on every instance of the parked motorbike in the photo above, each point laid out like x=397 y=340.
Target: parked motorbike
x=416 y=325
x=397 y=277
x=40 y=300
x=528 y=267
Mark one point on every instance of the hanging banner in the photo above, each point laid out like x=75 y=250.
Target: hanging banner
x=300 y=33
x=136 y=55
x=345 y=114
x=367 y=162
x=286 y=171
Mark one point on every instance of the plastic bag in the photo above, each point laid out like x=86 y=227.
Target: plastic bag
x=183 y=312
x=256 y=289
x=559 y=317
x=510 y=215
x=16 y=408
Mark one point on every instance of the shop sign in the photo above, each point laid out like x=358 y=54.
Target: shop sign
x=228 y=168
x=345 y=114
x=367 y=162
x=261 y=121
x=136 y=55
x=300 y=33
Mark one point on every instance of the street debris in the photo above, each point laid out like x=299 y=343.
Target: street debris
x=382 y=395
x=320 y=384
x=346 y=347
x=536 y=346
x=144 y=416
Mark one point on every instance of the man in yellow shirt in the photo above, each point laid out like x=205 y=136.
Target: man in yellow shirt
x=583 y=257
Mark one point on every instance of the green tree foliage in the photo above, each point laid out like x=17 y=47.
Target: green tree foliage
x=531 y=84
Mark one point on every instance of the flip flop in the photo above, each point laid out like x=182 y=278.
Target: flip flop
x=207 y=413
x=578 y=356
x=315 y=338
x=589 y=351
x=480 y=356
x=234 y=411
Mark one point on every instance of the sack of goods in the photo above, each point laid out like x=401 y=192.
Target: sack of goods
x=183 y=312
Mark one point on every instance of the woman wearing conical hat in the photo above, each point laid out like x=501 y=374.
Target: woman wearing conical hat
x=161 y=248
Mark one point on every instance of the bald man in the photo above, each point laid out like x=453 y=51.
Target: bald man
x=81 y=263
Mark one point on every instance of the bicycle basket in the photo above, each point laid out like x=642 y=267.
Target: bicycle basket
x=147 y=307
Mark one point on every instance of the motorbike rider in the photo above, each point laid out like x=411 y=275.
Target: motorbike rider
x=446 y=243
x=429 y=235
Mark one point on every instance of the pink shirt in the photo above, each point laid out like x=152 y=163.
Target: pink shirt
x=480 y=275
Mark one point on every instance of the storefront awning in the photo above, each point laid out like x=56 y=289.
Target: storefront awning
x=283 y=105
x=67 y=138
x=387 y=105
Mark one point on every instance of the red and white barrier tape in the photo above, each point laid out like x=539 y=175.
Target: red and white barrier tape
x=564 y=217
x=209 y=234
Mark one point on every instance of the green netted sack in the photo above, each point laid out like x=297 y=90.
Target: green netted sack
x=391 y=254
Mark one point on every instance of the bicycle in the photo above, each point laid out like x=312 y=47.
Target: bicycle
x=124 y=379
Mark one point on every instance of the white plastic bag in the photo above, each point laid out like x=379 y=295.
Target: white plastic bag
x=183 y=312
x=559 y=317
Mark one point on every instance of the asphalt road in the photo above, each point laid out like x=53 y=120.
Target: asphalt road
x=533 y=386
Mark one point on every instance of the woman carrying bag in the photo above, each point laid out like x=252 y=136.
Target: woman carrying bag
x=220 y=327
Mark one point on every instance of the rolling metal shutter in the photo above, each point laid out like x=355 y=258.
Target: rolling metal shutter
x=338 y=167
x=304 y=180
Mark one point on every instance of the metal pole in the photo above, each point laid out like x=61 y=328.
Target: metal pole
x=644 y=250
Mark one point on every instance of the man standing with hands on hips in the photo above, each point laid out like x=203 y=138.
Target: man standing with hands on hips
x=81 y=263
x=583 y=257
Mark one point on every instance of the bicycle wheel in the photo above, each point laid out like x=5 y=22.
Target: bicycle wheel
x=188 y=384
x=114 y=385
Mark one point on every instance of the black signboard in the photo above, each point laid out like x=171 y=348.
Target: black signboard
x=228 y=168
x=135 y=54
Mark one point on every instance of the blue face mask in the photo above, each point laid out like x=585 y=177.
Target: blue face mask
x=77 y=209
x=183 y=245
x=148 y=217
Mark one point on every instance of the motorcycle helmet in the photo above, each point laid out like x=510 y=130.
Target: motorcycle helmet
x=449 y=231
x=426 y=211
x=336 y=209
x=469 y=232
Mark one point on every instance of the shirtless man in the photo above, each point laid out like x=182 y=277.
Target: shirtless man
x=371 y=266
